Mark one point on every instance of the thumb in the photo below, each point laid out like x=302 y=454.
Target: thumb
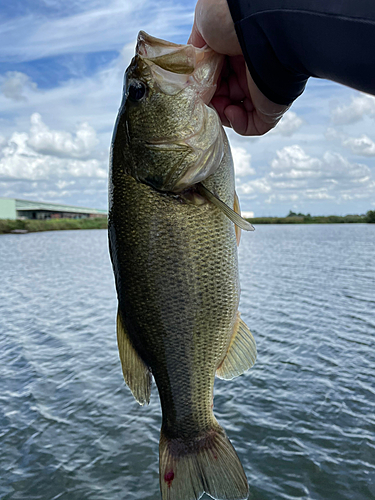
x=195 y=37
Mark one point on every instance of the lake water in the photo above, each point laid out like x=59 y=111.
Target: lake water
x=302 y=420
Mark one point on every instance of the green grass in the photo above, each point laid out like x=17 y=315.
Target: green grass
x=8 y=225
x=293 y=218
x=330 y=219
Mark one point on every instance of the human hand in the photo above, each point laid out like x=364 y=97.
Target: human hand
x=238 y=101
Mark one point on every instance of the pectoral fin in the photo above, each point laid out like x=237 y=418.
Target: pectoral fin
x=241 y=354
x=231 y=214
x=237 y=209
x=136 y=374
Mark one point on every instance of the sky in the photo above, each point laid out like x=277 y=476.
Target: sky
x=61 y=72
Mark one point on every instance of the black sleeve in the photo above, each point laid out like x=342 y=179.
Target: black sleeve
x=284 y=42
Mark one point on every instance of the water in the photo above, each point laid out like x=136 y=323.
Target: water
x=302 y=420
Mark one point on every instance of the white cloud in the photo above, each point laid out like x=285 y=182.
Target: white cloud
x=294 y=163
x=362 y=145
x=61 y=143
x=242 y=160
x=42 y=154
x=103 y=25
x=360 y=106
x=289 y=124
x=58 y=159
x=293 y=158
x=87 y=192
x=295 y=175
x=257 y=186
x=14 y=84
x=281 y=197
x=332 y=134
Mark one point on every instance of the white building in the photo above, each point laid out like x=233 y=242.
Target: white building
x=12 y=208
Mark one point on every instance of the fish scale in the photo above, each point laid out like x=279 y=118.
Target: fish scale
x=183 y=295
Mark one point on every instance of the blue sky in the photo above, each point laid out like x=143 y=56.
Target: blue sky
x=61 y=72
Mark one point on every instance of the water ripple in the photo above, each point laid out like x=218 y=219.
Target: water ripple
x=302 y=420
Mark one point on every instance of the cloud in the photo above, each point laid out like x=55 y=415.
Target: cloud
x=294 y=167
x=13 y=85
x=293 y=159
x=362 y=105
x=332 y=134
x=362 y=145
x=77 y=52
x=241 y=160
x=257 y=186
x=98 y=26
x=295 y=175
x=289 y=124
x=43 y=154
x=86 y=192
x=60 y=143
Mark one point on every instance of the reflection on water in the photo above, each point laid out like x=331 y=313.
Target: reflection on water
x=302 y=420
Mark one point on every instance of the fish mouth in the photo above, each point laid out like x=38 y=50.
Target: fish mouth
x=175 y=66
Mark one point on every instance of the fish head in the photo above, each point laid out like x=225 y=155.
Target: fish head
x=169 y=137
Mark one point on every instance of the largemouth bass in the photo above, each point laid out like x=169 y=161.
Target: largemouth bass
x=173 y=245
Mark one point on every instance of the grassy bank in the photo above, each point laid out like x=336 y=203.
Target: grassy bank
x=32 y=226
x=330 y=219
x=294 y=218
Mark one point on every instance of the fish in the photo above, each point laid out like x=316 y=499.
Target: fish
x=174 y=225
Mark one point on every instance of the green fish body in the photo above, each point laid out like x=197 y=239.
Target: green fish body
x=174 y=255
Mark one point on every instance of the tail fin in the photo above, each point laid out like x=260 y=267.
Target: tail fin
x=206 y=464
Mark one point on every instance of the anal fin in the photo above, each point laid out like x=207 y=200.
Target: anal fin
x=241 y=354
x=136 y=374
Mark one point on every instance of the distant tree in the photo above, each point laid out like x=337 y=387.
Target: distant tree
x=291 y=214
x=370 y=216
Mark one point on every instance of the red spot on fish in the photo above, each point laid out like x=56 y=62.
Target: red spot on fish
x=215 y=457
x=168 y=478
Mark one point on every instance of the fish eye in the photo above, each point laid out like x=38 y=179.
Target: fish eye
x=136 y=92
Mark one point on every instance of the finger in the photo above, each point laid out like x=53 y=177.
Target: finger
x=237 y=118
x=238 y=67
x=220 y=103
x=244 y=122
x=248 y=105
x=235 y=91
x=196 y=38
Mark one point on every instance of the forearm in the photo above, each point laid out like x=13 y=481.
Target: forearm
x=287 y=41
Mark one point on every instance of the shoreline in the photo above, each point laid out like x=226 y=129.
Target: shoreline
x=17 y=226
x=9 y=226
x=329 y=219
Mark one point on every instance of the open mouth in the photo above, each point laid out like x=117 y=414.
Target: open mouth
x=176 y=66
